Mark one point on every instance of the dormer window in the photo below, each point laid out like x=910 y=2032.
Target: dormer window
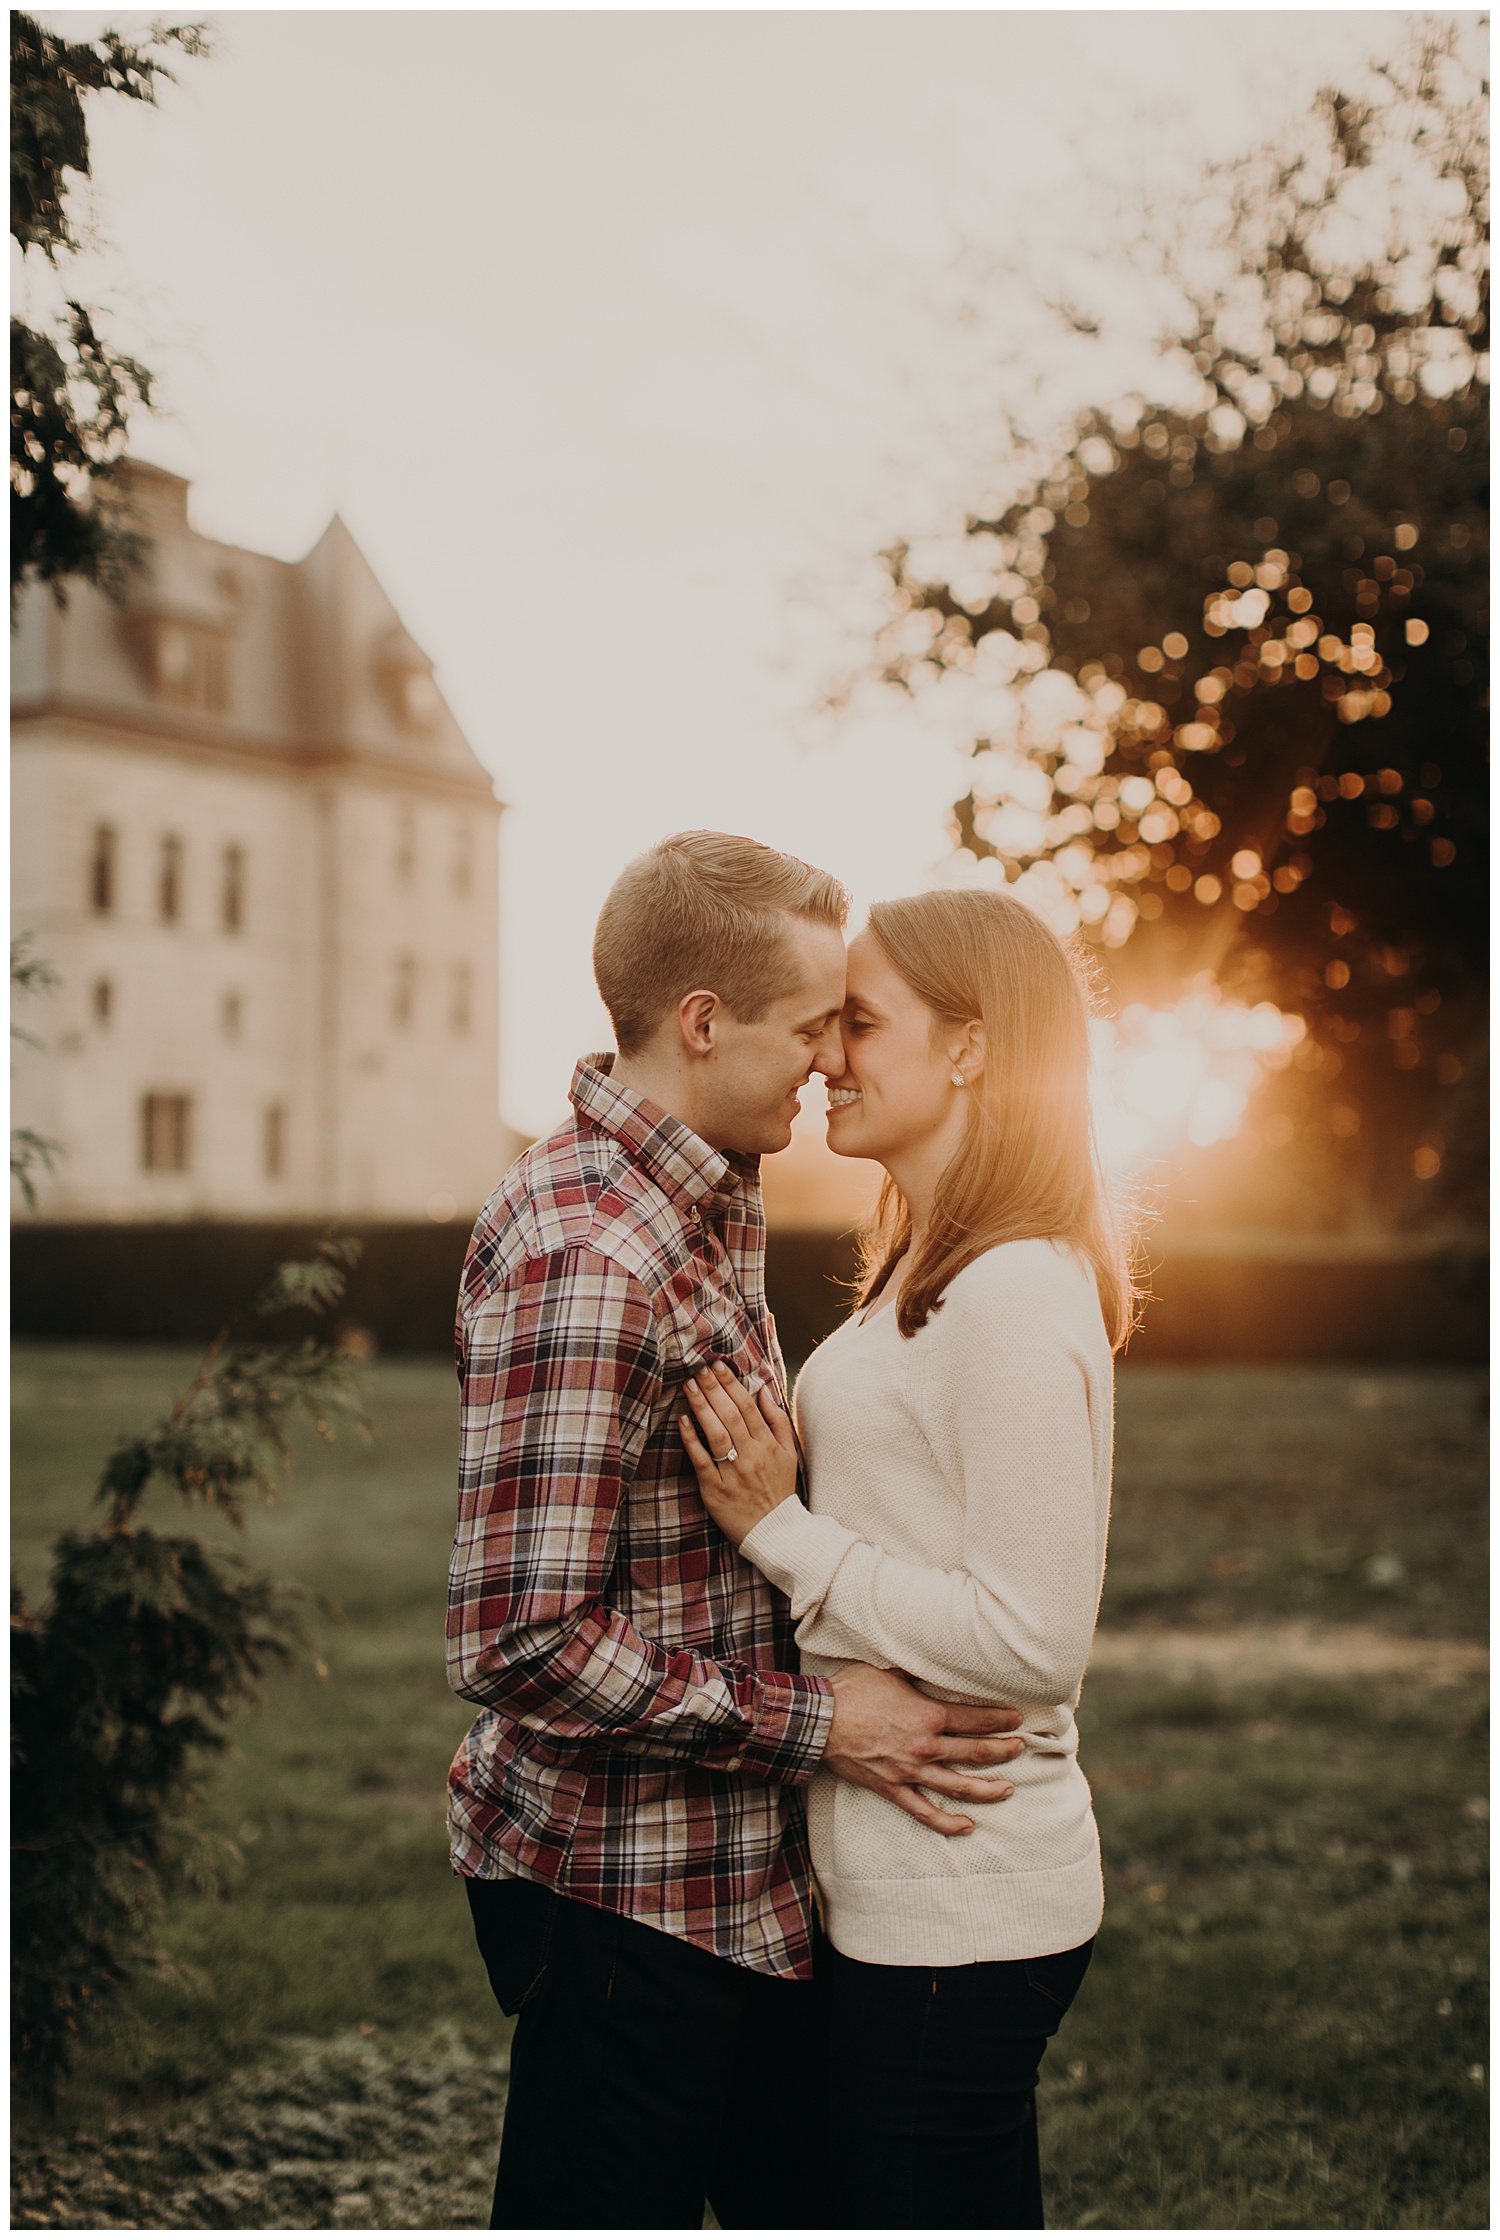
x=189 y=665
x=419 y=699
x=405 y=676
x=184 y=657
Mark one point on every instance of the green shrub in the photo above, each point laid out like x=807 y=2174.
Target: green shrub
x=146 y=1646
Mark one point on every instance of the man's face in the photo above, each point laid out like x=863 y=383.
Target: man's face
x=750 y=1092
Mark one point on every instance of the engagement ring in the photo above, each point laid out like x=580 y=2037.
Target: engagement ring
x=732 y=1456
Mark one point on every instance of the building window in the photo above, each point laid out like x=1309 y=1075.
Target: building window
x=232 y=1015
x=461 y=1012
x=274 y=1140
x=169 y=880
x=102 y=870
x=404 y=991
x=104 y=1002
x=463 y=856
x=190 y=666
x=166 y=1132
x=232 y=897
x=406 y=845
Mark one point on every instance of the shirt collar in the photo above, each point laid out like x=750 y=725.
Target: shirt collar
x=666 y=1147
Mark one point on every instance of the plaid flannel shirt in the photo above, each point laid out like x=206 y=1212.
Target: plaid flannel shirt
x=645 y=1732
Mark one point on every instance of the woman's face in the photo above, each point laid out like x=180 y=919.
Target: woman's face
x=896 y=1092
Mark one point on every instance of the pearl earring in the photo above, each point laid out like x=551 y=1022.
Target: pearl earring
x=958 y=1081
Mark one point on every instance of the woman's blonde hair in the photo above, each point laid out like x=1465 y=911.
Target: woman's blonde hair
x=1028 y=1165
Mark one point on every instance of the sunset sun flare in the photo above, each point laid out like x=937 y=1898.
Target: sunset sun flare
x=1184 y=1074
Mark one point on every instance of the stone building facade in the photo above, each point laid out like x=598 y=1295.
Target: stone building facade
x=252 y=843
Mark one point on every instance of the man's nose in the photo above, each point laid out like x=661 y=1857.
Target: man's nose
x=829 y=1057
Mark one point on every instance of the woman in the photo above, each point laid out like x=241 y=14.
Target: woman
x=957 y=1435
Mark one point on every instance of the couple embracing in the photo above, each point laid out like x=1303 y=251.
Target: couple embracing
x=771 y=1823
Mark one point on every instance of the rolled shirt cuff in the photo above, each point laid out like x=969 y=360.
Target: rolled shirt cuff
x=794 y=1712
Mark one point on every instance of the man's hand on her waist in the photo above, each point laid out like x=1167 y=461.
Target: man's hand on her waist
x=887 y=1736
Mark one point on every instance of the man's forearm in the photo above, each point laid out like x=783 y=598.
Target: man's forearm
x=587 y=1675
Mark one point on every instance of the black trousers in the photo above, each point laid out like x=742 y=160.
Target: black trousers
x=647 y=2077
x=932 y=2089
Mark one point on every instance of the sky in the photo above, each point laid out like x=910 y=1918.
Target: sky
x=623 y=342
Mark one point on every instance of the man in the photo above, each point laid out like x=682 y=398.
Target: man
x=626 y=1809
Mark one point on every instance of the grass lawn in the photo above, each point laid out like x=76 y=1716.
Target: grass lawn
x=1320 y=1493
x=1284 y=2017
x=1285 y=2022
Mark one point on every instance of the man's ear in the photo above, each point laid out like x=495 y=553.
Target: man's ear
x=697 y=1022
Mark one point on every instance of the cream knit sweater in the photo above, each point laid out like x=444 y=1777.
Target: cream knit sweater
x=959 y=1488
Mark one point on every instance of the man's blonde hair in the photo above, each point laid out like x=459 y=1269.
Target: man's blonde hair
x=704 y=910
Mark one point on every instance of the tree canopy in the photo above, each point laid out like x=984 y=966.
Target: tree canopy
x=1230 y=660
x=71 y=395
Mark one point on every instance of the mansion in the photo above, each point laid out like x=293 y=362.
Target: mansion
x=260 y=859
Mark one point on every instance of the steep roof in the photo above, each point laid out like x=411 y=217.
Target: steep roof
x=304 y=661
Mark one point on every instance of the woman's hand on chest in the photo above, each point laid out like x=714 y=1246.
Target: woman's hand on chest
x=743 y=1449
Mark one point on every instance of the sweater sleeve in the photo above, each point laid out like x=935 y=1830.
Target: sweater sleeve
x=1003 y=1402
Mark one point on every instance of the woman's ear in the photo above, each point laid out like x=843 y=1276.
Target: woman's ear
x=968 y=1052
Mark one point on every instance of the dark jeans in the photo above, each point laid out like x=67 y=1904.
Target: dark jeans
x=647 y=2076
x=932 y=2083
